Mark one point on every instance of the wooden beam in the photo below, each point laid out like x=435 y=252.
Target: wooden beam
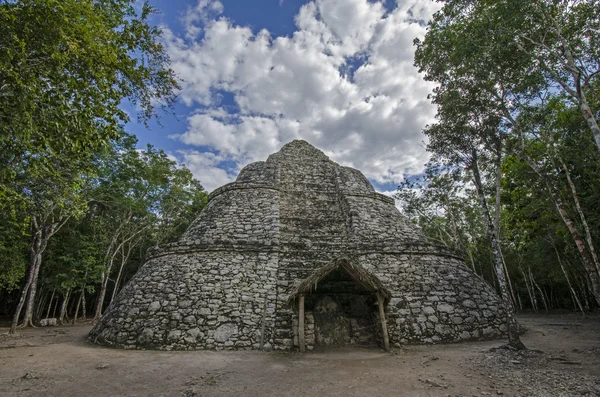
x=386 y=339
x=301 y=323
x=262 y=324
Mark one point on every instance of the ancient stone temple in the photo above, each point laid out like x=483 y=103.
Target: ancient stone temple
x=297 y=253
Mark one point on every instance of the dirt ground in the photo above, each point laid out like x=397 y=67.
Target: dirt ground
x=563 y=360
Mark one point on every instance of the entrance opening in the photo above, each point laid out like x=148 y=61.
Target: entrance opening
x=344 y=312
x=346 y=304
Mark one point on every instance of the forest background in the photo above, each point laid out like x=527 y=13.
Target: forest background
x=513 y=182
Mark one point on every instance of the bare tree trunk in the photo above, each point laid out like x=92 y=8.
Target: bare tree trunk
x=24 y=293
x=83 y=309
x=37 y=314
x=586 y=228
x=124 y=257
x=471 y=259
x=586 y=258
x=43 y=229
x=529 y=291
x=574 y=295
x=77 y=307
x=513 y=327
x=497 y=217
x=55 y=307
x=107 y=269
x=510 y=286
x=63 y=307
x=50 y=304
x=581 y=247
x=548 y=297
x=28 y=316
x=102 y=293
x=588 y=115
x=539 y=290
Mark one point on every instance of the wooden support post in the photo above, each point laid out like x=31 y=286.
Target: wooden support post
x=386 y=339
x=262 y=325
x=301 y=323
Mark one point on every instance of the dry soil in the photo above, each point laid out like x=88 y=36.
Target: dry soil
x=563 y=360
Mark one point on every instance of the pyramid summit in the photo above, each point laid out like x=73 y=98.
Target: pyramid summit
x=300 y=252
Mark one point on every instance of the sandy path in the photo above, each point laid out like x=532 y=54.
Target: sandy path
x=59 y=362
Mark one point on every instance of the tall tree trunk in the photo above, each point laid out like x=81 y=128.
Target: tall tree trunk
x=104 y=277
x=125 y=253
x=497 y=208
x=588 y=115
x=530 y=292
x=81 y=297
x=43 y=229
x=24 y=292
x=77 y=307
x=100 y=298
x=63 y=307
x=28 y=316
x=37 y=314
x=471 y=259
x=83 y=307
x=586 y=227
x=510 y=286
x=124 y=258
x=55 y=307
x=513 y=327
x=539 y=290
x=588 y=263
x=50 y=304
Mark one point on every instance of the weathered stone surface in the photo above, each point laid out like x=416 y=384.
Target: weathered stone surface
x=258 y=237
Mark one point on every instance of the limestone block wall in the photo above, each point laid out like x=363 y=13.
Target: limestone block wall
x=237 y=216
x=206 y=300
x=436 y=299
x=376 y=221
x=259 y=172
x=352 y=182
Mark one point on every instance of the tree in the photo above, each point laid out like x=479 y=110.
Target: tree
x=484 y=57
x=462 y=134
x=140 y=195
x=66 y=67
x=522 y=48
x=51 y=203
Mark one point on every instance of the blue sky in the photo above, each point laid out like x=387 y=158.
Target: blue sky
x=259 y=73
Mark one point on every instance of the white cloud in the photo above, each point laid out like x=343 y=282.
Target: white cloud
x=201 y=13
x=206 y=167
x=302 y=86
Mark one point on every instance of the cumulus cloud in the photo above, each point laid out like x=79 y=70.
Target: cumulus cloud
x=344 y=81
x=207 y=166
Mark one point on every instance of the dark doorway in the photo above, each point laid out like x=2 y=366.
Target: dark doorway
x=345 y=312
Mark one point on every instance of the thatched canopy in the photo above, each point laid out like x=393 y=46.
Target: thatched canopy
x=359 y=274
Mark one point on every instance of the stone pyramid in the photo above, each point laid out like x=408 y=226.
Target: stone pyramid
x=300 y=227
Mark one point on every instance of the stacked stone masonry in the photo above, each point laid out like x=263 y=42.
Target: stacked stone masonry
x=226 y=283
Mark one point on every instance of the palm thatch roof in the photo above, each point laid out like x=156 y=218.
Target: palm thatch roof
x=358 y=273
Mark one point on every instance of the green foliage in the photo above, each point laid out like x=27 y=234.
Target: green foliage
x=514 y=79
x=66 y=66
